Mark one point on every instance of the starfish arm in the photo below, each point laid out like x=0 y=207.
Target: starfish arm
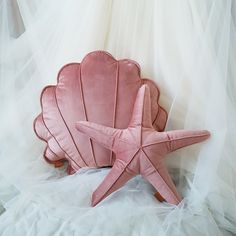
x=120 y=173
x=183 y=138
x=142 y=109
x=101 y=134
x=159 y=177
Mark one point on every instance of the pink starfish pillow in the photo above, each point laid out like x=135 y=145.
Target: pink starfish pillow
x=139 y=149
x=100 y=89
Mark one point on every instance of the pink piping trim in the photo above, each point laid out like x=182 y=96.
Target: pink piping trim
x=115 y=105
x=85 y=112
x=168 y=187
x=51 y=86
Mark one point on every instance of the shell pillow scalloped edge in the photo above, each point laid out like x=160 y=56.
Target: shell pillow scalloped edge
x=100 y=89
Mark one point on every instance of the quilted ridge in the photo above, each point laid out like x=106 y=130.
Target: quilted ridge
x=100 y=89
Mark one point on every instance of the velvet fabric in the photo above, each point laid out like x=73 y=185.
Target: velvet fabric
x=140 y=149
x=100 y=89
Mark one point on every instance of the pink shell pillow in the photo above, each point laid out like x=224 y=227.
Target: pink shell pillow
x=100 y=89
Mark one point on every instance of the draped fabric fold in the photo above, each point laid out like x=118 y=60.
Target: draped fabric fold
x=187 y=47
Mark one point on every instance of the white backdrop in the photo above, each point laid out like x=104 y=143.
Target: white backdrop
x=188 y=48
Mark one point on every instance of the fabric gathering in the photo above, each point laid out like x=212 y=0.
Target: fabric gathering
x=187 y=48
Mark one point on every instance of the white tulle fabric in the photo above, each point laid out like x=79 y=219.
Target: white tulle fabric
x=187 y=46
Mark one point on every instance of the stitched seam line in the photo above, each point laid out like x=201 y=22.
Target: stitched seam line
x=197 y=136
x=168 y=187
x=68 y=128
x=157 y=115
x=58 y=142
x=169 y=141
x=115 y=105
x=141 y=123
x=85 y=112
x=119 y=174
x=120 y=139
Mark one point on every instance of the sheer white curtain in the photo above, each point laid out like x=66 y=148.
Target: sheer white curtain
x=188 y=48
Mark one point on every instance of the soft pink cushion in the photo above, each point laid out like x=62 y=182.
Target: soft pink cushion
x=140 y=149
x=99 y=89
